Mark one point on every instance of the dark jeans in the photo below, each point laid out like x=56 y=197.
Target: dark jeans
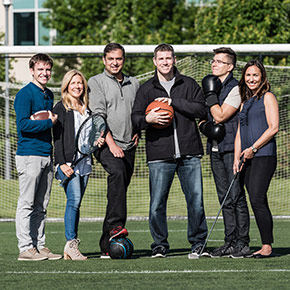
x=161 y=177
x=120 y=171
x=235 y=210
x=257 y=174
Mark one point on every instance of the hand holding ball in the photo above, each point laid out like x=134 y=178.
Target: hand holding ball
x=44 y=115
x=40 y=115
x=164 y=115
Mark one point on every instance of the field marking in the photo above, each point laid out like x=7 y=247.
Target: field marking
x=145 y=272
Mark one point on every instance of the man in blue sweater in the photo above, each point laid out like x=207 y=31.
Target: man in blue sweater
x=33 y=161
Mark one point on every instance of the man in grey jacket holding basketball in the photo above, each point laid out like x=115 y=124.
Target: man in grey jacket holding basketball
x=173 y=148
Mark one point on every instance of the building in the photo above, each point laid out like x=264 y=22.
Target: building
x=25 y=28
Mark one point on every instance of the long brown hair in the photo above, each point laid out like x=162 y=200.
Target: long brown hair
x=264 y=87
x=66 y=97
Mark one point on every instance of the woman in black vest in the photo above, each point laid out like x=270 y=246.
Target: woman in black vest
x=259 y=123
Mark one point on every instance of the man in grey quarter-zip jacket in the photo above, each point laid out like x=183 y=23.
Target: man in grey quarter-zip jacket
x=112 y=94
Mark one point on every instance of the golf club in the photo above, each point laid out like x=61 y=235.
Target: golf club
x=224 y=200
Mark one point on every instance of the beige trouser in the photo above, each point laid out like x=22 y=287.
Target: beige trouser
x=35 y=180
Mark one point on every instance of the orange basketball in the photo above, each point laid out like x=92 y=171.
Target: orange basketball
x=164 y=107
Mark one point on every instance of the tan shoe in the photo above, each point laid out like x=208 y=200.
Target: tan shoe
x=31 y=255
x=71 y=251
x=47 y=253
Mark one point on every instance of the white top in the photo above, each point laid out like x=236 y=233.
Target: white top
x=84 y=167
x=167 y=86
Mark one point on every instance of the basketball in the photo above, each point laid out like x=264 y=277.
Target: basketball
x=121 y=248
x=164 y=107
x=40 y=115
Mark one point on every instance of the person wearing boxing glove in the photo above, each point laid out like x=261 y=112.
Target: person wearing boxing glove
x=212 y=131
x=223 y=100
x=211 y=86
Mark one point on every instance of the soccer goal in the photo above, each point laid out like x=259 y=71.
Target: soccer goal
x=94 y=202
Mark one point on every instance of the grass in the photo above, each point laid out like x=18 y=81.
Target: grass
x=142 y=272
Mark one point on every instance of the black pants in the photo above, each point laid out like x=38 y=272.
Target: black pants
x=257 y=176
x=235 y=210
x=120 y=171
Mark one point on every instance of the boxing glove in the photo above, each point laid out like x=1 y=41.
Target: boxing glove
x=211 y=86
x=212 y=131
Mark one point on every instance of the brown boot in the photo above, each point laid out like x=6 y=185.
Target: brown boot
x=71 y=251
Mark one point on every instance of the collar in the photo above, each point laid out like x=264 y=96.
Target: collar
x=176 y=74
x=228 y=79
x=126 y=78
x=39 y=88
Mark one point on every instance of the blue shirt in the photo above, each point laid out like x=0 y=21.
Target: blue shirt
x=253 y=123
x=34 y=136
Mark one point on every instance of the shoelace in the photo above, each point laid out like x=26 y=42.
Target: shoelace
x=240 y=247
x=34 y=251
x=74 y=244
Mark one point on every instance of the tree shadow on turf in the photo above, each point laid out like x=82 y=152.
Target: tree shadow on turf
x=146 y=253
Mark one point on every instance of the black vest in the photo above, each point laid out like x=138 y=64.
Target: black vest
x=231 y=125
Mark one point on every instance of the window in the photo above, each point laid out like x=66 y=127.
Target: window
x=28 y=26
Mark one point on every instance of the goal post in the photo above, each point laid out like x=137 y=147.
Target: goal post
x=94 y=202
x=146 y=49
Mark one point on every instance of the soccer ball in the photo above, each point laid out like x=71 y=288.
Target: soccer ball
x=121 y=248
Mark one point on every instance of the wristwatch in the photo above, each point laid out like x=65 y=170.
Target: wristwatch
x=254 y=149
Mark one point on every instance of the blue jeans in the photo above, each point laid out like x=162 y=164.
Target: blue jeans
x=74 y=191
x=161 y=175
x=235 y=210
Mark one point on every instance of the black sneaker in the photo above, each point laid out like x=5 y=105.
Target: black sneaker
x=196 y=253
x=159 y=252
x=224 y=251
x=241 y=251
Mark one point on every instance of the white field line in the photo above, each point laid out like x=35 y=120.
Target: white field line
x=143 y=272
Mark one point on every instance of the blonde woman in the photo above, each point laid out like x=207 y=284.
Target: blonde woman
x=72 y=110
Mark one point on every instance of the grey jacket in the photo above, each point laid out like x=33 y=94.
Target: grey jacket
x=115 y=101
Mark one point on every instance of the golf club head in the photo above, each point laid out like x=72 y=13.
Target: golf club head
x=192 y=256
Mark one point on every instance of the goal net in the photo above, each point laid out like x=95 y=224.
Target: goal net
x=94 y=202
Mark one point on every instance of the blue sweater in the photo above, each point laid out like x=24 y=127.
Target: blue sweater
x=34 y=137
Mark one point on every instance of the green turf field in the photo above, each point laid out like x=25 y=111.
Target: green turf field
x=143 y=272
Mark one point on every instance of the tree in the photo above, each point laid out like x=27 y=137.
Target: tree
x=242 y=21
x=125 y=21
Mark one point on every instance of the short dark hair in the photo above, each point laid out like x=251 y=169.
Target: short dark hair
x=40 y=57
x=163 y=47
x=230 y=53
x=113 y=46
